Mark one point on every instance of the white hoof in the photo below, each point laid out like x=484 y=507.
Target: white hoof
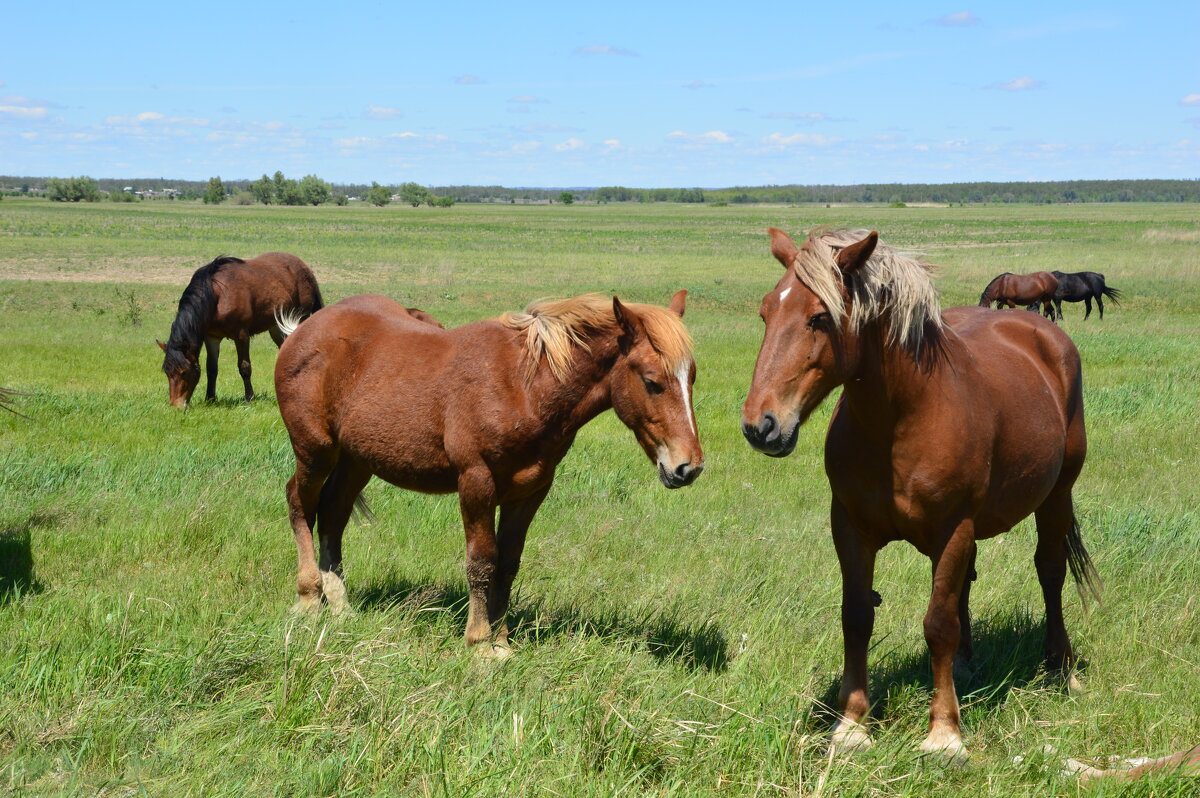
x=493 y=651
x=848 y=737
x=306 y=606
x=334 y=590
x=945 y=743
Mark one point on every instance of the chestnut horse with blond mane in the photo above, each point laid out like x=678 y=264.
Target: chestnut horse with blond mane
x=929 y=442
x=486 y=410
x=233 y=298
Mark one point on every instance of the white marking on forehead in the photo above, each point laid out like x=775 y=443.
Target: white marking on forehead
x=784 y=293
x=685 y=391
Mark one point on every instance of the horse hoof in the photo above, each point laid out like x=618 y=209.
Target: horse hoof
x=848 y=737
x=493 y=651
x=1074 y=686
x=306 y=606
x=946 y=744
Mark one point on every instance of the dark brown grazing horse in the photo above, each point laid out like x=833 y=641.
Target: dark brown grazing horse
x=1025 y=290
x=233 y=298
x=486 y=410
x=928 y=442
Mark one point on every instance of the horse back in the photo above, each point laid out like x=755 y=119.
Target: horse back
x=251 y=292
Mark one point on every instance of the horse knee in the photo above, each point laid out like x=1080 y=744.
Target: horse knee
x=942 y=631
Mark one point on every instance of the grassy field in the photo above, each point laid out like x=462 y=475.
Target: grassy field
x=682 y=642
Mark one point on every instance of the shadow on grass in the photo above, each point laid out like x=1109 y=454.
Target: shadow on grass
x=696 y=647
x=236 y=400
x=17 y=578
x=1008 y=656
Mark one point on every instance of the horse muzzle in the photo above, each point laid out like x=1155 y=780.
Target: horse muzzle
x=681 y=476
x=768 y=436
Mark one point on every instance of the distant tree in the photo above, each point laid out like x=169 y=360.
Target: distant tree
x=340 y=199
x=413 y=193
x=214 y=194
x=280 y=185
x=441 y=202
x=314 y=190
x=292 y=195
x=73 y=189
x=379 y=195
x=244 y=198
x=263 y=190
x=566 y=198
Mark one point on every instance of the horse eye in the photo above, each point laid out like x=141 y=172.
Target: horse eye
x=652 y=387
x=821 y=321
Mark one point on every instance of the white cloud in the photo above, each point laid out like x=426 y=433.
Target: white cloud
x=469 y=80
x=570 y=144
x=524 y=99
x=711 y=137
x=959 y=19
x=407 y=134
x=1191 y=99
x=795 y=139
x=154 y=117
x=28 y=135
x=610 y=145
x=1023 y=83
x=603 y=49
x=526 y=147
x=380 y=112
x=797 y=117
x=23 y=112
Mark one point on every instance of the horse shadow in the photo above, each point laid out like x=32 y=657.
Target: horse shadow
x=1008 y=656
x=695 y=646
x=17 y=576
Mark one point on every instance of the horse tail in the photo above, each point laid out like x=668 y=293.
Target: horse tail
x=362 y=511
x=1087 y=580
x=1111 y=293
x=989 y=296
x=288 y=320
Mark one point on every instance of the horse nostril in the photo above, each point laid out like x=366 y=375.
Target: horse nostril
x=768 y=427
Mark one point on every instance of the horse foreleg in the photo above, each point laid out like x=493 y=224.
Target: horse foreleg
x=943 y=631
x=212 y=351
x=242 y=342
x=857 y=561
x=515 y=518
x=333 y=512
x=476 y=499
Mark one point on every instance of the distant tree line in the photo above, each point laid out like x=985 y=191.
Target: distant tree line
x=312 y=190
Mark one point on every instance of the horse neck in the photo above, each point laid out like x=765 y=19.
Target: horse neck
x=193 y=318
x=565 y=406
x=889 y=382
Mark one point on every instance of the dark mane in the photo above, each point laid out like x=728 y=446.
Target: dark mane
x=196 y=308
x=987 y=297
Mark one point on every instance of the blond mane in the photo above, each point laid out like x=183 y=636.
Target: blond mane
x=891 y=285
x=553 y=327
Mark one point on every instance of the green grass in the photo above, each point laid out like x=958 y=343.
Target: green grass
x=682 y=642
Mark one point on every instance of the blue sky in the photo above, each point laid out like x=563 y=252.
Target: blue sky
x=585 y=94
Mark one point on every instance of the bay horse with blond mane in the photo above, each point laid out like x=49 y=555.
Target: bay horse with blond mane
x=233 y=298
x=928 y=442
x=486 y=410
x=1025 y=290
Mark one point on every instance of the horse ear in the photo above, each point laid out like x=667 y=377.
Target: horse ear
x=850 y=259
x=161 y=345
x=630 y=324
x=678 y=301
x=783 y=247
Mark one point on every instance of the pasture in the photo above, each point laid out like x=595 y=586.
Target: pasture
x=667 y=642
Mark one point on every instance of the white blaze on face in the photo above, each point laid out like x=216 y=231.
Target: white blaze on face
x=685 y=391
x=783 y=295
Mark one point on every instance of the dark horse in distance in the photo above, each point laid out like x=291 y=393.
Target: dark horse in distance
x=233 y=298
x=1083 y=287
x=1026 y=290
x=928 y=442
x=486 y=410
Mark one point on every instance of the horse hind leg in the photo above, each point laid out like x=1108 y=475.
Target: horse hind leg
x=1087 y=304
x=303 y=498
x=1055 y=520
x=333 y=513
x=242 y=342
x=1100 y=304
